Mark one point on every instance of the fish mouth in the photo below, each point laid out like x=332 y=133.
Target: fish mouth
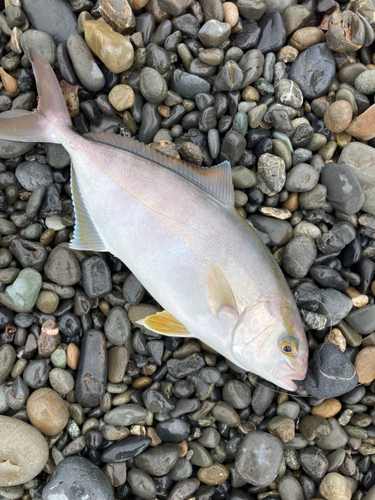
x=286 y=374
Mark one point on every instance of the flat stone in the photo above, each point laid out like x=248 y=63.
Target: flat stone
x=25 y=289
x=298 y=256
x=335 y=487
x=259 y=458
x=84 y=64
x=113 y=49
x=362 y=320
x=213 y=33
x=316 y=60
x=344 y=191
x=128 y=414
x=24 y=452
x=75 y=478
x=62 y=267
x=337 y=439
x=158 y=461
x=41 y=41
x=7 y=360
x=96 y=277
x=54 y=17
x=363 y=126
x=365 y=366
x=273 y=33
x=32 y=174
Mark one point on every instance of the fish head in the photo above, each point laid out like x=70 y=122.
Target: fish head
x=269 y=340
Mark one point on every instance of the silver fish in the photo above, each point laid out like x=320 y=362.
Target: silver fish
x=175 y=227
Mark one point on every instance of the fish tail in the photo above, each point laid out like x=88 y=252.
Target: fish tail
x=48 y=122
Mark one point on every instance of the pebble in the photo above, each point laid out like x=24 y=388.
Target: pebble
x=84 y=65
x=337 y=116
x=158 y=461
x=213 y=33
x=142 y=484
x=55 y=18
x=62 y=267
x=76 y=477
x=344 y=191
x=92 y=370
x=335 y=487
x=259 y=458
x=298 y=256
x=47 y=411
x=301 y=178
x=24 y=452
x=273 y=34
x=24 y=291
x=104 y=42
x=317 y=58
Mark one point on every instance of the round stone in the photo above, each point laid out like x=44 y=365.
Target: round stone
x=298 y=256
x=152 y=85
x=75 y=478
x=259 y=458
x=365 y=82
x=61 y=381
x=23 y=452
x=47 y=411
x=335 y=487
x=337 y=116
x=47 y=302
x=301 y=178
x=121 y=97
x=237 y=394
x=288 y=93
x=62 y=267
x=32 y=174
x=213 y=475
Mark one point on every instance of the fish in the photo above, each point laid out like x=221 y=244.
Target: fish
x=176 y=228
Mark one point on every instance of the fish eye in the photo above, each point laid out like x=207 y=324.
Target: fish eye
x=289 y=346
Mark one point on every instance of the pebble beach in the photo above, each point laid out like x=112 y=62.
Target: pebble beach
x=91 y=405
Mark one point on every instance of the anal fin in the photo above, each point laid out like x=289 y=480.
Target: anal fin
x=85 y=236
x=165 y=324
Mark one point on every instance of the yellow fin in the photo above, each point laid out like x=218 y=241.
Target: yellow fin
x=220 y=294
x=164 y=323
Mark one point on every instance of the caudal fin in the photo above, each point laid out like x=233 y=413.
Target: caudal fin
x=46 y=123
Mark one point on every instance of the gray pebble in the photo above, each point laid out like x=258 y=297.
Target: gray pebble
x=84 y=64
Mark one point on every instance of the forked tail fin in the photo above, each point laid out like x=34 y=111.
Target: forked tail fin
x=46 y=123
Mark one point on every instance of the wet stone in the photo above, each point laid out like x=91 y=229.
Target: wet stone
x=159 y=460
x=75 y=477
x=316 y=59
x=273 y=33
x=174 y=430
x=92 y=370
x=128 y=414
x=259 y=458
x=314 y=462
x=96 y=277
x=125 y=449
x=330 y=373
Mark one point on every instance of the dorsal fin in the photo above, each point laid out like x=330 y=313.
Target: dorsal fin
x=216 y=180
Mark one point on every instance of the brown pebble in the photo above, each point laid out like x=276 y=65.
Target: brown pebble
x=104 y=307
x=49 y=338
x=363 y=127
x=213 y=475
x=72 y=103
x=164 y=111
x=118 y=358
x=155 y=439
x=338 y=116
x=329 y=408
x=72 y=356
x=358 y=299
x=250 y=93
x=287 y=54
x=336 y=338
x=292 y=202
x=47 y=411
x=304 y=38
x=47 y=236
x=142 y=383
x=141 y=311
x=183 y=448
x=191 y=153
x=365 y=365
x=10 y=83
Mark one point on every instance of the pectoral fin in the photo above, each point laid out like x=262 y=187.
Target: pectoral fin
x=220 y=294
x=165 y=324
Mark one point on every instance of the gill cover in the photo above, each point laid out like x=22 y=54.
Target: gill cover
x=255 y=321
